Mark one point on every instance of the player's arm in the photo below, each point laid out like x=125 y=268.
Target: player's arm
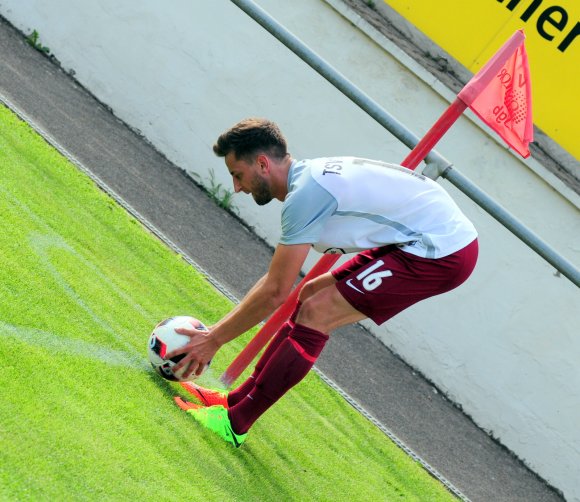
x=260 y=302
x=266 y=296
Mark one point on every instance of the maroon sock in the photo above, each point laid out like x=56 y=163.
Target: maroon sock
x=235 y=396
x=290 y=363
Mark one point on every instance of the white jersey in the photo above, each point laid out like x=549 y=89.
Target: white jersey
x=347 y=204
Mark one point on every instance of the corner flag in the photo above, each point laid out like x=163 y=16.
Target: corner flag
x=504 y=101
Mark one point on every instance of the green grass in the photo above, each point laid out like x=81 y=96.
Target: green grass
x=84 y=418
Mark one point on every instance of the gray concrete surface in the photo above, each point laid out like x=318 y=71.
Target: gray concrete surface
x=401 y=400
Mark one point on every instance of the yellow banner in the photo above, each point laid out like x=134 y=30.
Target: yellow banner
x=472 y=32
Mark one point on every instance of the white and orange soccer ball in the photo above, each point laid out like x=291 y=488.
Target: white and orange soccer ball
x=164 y=340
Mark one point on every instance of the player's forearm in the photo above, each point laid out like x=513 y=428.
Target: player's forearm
x=256 y=306
x=267 y=294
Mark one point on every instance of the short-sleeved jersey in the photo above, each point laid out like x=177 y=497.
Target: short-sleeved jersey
x=347 y=204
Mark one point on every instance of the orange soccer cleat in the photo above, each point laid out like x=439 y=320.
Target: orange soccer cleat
x=207 y=397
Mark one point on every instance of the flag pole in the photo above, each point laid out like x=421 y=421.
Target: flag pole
x=439 y=128
x=417 y=154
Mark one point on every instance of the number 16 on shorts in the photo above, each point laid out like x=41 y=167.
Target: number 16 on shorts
x=371 y=278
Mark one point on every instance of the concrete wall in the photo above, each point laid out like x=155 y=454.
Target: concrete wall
x=506 y=345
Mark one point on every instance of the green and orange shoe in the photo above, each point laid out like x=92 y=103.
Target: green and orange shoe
x=214 y=418
x=207 y=397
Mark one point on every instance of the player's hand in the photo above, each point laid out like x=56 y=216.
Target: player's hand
x=197 y=353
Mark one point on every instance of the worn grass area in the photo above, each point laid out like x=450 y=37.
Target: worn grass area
x=82 y=415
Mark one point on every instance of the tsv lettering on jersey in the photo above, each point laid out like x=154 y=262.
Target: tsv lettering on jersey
x=332 y=166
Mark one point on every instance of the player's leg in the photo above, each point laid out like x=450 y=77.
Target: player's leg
x=210 y=397
x=289 y=364
x=323 y=309
x=245 y=388
x=308 y=290
x=377 y=284
x=327 y=309
x=286 y=361
x=315 y=285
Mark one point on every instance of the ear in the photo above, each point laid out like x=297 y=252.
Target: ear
x=263 y=163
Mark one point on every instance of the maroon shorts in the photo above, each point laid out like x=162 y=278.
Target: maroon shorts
x=381 y=282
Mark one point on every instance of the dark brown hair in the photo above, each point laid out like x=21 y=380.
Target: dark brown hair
x=250 y=137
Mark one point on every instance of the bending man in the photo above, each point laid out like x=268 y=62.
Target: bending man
x=412 y=242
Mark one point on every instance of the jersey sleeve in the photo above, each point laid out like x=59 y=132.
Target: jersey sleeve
x=304 y=213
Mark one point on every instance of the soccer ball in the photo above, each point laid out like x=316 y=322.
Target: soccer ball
x=164 y=339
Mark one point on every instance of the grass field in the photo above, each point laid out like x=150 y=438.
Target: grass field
x=82 y=416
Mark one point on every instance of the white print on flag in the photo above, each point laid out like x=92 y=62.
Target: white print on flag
x=505 y=102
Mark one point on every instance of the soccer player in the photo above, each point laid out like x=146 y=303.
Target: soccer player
x=411 y=242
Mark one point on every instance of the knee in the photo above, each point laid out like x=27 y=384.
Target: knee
x=317 y=313
x=307 y=312
x=315 y=285
x=307 y=291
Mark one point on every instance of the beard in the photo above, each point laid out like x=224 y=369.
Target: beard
x=261 y=191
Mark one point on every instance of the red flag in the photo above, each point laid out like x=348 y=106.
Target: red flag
x=500 y=95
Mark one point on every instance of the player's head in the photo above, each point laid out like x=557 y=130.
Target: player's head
x=251 y=137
